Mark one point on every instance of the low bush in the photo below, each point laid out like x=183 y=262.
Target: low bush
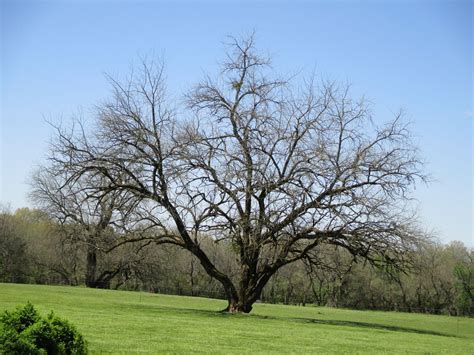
x=24 y=331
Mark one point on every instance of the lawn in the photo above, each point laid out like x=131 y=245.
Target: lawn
x=120 y=321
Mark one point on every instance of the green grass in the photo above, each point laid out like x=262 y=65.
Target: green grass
x=130 y=322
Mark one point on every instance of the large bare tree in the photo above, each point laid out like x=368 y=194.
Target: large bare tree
x=271 y=167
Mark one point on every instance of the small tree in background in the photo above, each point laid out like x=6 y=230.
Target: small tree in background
x=89 y=223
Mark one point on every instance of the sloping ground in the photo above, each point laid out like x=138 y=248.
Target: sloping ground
x=119 y=321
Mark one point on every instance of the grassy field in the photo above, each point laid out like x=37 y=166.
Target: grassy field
x=129 y=322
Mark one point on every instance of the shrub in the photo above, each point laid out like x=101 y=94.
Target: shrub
x=21 y=319
x=25 y=332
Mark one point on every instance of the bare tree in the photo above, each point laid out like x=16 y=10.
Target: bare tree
x=270 y=168
x=86 y=220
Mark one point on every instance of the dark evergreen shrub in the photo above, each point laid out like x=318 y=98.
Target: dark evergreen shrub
x=25 y=332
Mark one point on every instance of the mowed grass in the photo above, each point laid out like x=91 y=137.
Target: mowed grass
x=132 y=322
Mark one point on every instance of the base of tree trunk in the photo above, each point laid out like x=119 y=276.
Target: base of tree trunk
x=98 y=284
x=238 y=308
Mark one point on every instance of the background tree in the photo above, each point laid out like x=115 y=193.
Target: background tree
x=14 y=263
x=86 y=222
x=465 y=276
x=269 y=168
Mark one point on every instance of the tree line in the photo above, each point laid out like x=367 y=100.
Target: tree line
x=36 y=249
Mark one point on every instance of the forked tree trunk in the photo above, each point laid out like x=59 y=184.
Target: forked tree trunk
x=243 y=300
x=238 y=302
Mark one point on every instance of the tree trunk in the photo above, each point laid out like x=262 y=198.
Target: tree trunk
x=102 y=283
x=238 y=307
x=91 y=267
x=243 y=300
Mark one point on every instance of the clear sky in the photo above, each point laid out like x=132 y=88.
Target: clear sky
x=415 y=55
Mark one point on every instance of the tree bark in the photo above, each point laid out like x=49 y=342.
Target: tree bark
x=91 y=267
x=238 y=307
x=251 y=287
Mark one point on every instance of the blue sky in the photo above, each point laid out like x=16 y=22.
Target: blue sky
x=402 y=54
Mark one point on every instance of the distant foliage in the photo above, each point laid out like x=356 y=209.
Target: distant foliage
x=24 y=331
x=441 y=281
x=465 y=282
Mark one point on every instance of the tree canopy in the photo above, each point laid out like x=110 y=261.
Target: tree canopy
x=274 y=168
